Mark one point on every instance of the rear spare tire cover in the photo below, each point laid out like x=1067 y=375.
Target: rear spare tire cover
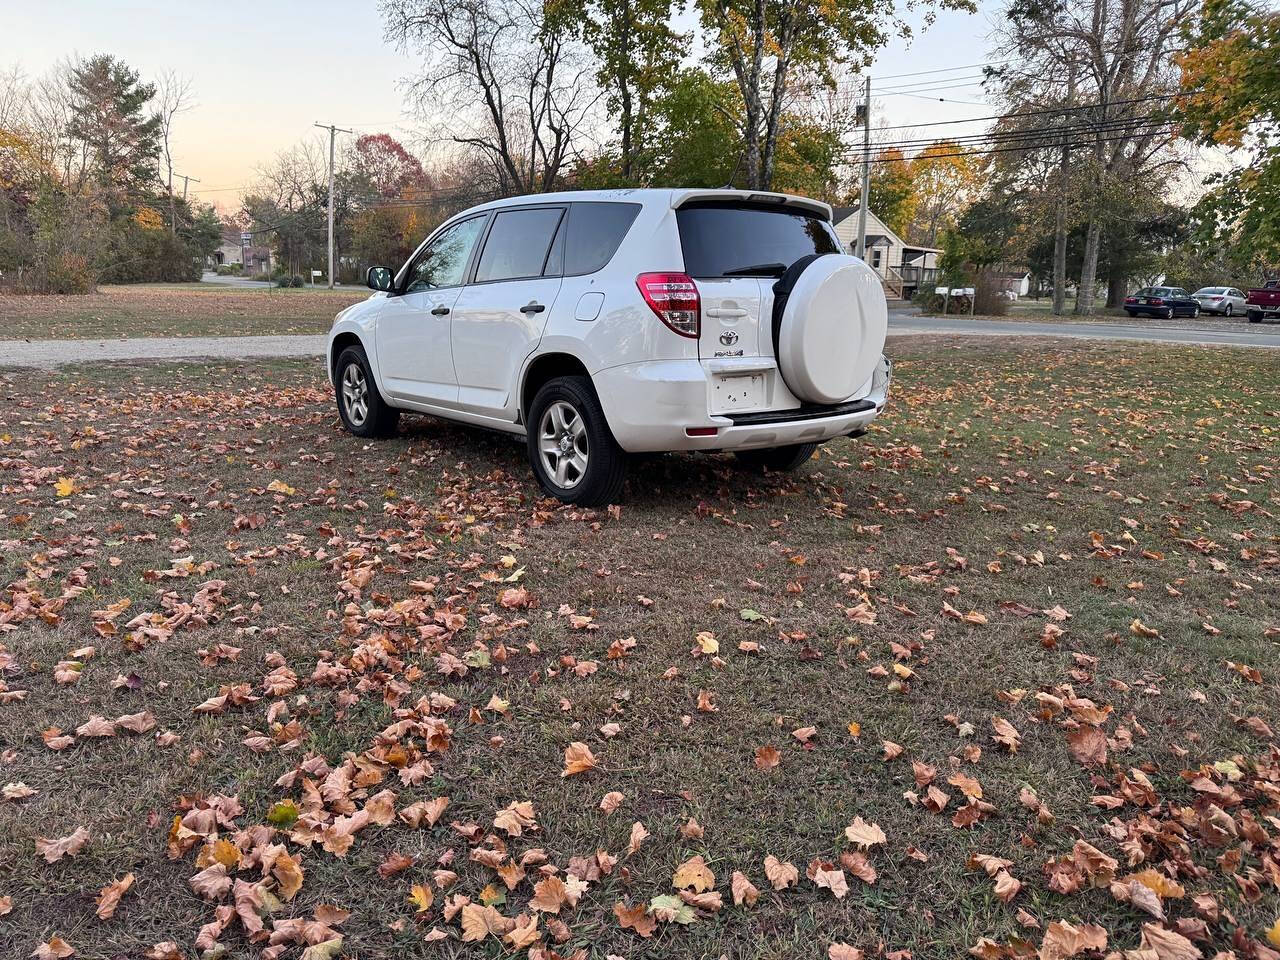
x=832 y=329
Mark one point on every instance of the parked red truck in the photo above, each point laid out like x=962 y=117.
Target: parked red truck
x=1263 y=302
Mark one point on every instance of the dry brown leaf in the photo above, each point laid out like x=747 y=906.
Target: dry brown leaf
x=1063 y=940
x=578 y=758
x=635 y=918
x=109 y=896
x=743 y=890
x=779 y=873
x=693 y=873
x=864 y=835
x=68 y=846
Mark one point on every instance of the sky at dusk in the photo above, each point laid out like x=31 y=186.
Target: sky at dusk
x=263 y=73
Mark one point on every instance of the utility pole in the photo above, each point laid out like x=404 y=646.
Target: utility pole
x=185 y=180
x=333 y=133
x=861 y=251
x=1060 y=213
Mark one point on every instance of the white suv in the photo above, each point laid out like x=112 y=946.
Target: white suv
x=603 y=323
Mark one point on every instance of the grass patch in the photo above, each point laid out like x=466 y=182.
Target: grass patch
x=173 y=310
x=1119 y=483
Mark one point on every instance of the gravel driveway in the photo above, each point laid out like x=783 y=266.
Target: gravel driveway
x=56 y=353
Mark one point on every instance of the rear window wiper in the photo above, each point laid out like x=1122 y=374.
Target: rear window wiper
x=774 y=269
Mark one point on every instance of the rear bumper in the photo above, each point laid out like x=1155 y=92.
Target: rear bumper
x=651 y=406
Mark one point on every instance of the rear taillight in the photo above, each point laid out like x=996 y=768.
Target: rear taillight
x=674 y=298
x=1130 y=299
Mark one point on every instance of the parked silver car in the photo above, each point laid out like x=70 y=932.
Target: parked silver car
x=1224 y=301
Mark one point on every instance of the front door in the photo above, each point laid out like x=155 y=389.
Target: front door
x=498 y=318
x=415 y=354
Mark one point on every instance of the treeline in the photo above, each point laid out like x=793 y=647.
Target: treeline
x=81 y=196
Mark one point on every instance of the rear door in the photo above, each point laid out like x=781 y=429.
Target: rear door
x=499 y=317
x=734 y=251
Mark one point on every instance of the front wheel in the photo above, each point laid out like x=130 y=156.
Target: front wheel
x=360 y=405
x=571 y=448
x=777 y=459
x=1195 y=313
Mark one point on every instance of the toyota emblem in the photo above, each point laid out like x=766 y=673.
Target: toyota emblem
x=728 y=338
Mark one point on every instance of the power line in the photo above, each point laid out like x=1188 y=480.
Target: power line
x=1025 y=147
x=1031 y=133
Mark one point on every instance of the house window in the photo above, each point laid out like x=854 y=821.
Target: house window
x=875 y=258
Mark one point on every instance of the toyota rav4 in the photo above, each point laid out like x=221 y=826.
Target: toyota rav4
x=602 y=323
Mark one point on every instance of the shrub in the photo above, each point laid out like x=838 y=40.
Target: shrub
x=296 y=281
x=283 y=281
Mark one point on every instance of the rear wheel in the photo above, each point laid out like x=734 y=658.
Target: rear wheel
x=1230 y=310
x=1168 y=314
x=1132 y=313
x=360 y=406
x=1255 y=316
x=777 y=459
x=571 y=448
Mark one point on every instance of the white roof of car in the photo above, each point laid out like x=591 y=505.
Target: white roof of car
x=670 y=197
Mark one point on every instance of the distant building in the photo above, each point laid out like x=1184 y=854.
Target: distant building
x=904 y=268
x=253 y=260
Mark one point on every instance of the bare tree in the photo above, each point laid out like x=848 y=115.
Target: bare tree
x=508 y=77
x=173 y=96
x=1108 y=64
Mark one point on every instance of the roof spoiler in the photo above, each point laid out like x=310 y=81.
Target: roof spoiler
x=680 y=197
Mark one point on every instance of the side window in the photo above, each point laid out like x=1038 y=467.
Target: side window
x=444 y=261
x=517 y=245
x=875 y=258
x=594 y=233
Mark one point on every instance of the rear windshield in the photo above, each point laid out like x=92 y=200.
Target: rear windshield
x=742 y=240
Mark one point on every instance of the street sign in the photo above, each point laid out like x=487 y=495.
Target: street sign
x=942 y=291
x=246 y=237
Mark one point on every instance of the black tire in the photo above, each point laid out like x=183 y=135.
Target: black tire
x=1254 y=316
x=1168 y=314
x=777 y=459
x=349 y=373
x=600 y=482
x=1230 y=310
x=1195 y=313
x=1131 y=313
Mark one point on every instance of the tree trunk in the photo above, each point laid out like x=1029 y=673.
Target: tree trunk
x=1089 y=268
x=1117 y=287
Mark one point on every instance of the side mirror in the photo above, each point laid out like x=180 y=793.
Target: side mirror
x=378 y=278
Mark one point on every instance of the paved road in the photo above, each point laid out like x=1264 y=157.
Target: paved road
x=232 y=281
x=904 y=323
x=56 y=353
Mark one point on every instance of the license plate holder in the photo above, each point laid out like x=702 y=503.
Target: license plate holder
x=737 y=392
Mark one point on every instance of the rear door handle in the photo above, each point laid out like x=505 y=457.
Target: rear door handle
x=440 y=311
x=532 y=308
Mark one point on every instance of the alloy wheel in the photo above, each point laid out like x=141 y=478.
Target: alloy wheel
x=562 y=444
x=355 y=394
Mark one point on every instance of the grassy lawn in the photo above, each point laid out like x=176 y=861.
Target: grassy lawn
x=1050 y=577
x=173 y=310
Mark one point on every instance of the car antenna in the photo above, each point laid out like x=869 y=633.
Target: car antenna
x=729 y=185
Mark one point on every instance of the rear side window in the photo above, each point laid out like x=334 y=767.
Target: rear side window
x=742 y=240
x=593 y=234
x=517 y=245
